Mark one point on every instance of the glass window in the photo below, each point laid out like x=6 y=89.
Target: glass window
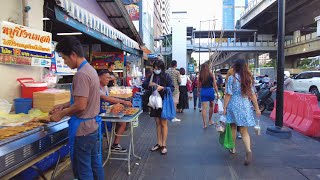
x=316 y=74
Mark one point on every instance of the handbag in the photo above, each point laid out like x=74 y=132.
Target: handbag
x=168 y=109
x=226 y=139
x=215 y=110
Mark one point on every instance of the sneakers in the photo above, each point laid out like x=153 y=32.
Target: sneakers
x=175 y=120
x=118 y=148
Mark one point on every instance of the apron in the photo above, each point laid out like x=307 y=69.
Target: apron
x=75 y=121
x=103 y=103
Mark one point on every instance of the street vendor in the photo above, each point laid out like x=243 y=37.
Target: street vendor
x=84 y=136
x=104 y=78
x=111 y=68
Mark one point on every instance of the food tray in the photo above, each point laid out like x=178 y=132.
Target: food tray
x=110 y=115
x=134 y=113
x=20 y=135
x=121 y=96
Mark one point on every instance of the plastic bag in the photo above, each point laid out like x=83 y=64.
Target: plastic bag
x=226 y=139
x=168 y=110
x=51 y=79
x=220 y=106
x=155 y=100
x=257 y=128
x=223 y=118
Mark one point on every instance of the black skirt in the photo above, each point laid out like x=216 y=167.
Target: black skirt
x=183 y=98
x=155 y=112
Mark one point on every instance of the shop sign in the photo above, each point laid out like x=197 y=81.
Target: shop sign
x=23 y=41
x=40 y=62
x=101 y=59
x=190 y=68
x=16 y=60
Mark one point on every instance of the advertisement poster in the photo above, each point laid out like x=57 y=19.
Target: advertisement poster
x=133 y=11
x=100 y=60
x=58 y=66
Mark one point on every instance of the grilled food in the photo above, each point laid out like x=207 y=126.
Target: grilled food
x=131 y=111
x=117 y=108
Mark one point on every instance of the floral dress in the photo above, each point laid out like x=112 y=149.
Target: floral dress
x=239 y=109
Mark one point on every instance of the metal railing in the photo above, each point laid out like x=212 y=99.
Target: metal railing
x=252 y=4
x=239 y=44
x=301 y=39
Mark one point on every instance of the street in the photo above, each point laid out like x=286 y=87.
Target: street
x=195 y=153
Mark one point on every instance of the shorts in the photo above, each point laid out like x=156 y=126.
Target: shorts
x=207 y=94
x=176 y=97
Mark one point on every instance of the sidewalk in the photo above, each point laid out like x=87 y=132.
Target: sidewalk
x=194 y=153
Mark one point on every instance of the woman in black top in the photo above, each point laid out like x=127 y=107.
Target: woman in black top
x=206 y=83
x=160 y=81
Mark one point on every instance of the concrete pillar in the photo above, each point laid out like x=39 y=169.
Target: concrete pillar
x=295 y=35
x=256 y=60
x=317 y=19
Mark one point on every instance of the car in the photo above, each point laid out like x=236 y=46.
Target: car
x=308 y=81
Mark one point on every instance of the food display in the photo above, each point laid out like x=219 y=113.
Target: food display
x=7 y=132
x=117 y=108
x=130 y=111
x=120 y=92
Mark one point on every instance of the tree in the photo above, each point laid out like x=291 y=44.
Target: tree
x=272 y=63
x=193 y=61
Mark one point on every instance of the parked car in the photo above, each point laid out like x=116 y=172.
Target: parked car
x=308 y=81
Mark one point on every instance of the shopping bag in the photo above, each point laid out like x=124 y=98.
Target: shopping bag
x=215 y=110
x=220 y=106
x=155 y=100
x=189 y=86
x=168 y=109
x=226 y=139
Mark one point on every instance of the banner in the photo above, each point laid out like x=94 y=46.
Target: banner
x=23 y=41
x=133 y=11
x=101 y=59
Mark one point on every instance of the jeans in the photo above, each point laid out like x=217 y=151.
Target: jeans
x=87 y=162
x=195 y=97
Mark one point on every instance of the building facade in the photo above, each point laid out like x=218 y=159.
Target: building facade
x=179 y=40
x=231 y=10
x=166 y=16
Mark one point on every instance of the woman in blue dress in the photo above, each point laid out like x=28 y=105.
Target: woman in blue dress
x=237 y=104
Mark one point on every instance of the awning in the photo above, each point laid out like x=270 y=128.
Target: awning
x=91 y=25
x=145 y=51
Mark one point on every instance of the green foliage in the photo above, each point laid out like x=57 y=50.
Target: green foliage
x=307 y=63
x=272 y=63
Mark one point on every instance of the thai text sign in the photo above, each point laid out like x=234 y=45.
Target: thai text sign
x=30 y=42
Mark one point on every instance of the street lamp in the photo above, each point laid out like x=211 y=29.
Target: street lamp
x=212 y=20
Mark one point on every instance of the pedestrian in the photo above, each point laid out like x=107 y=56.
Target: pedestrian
x=105 y=99
x=288 y=83
x=159 y=81
x=237 y=104
x=231 y=73
x=195 y=92
x=176 y=80
x=111 y=68
x=183 y=97
x=207 y=82
x=84 y=136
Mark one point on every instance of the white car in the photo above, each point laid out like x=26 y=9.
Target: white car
x=308 y=81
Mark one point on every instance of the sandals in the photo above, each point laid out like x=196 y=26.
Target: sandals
x=248 y=159
x=155 y=148
x=164 y=150
x=232 y=150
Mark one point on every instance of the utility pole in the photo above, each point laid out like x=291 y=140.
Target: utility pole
x=278 y=130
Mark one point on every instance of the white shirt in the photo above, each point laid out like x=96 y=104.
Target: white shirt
x=184 y=80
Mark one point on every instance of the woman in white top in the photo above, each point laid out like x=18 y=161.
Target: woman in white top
x=183 y=97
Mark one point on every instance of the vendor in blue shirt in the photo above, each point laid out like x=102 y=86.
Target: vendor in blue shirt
x=105 y=78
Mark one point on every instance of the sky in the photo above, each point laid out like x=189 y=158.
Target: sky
x=198 y=10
